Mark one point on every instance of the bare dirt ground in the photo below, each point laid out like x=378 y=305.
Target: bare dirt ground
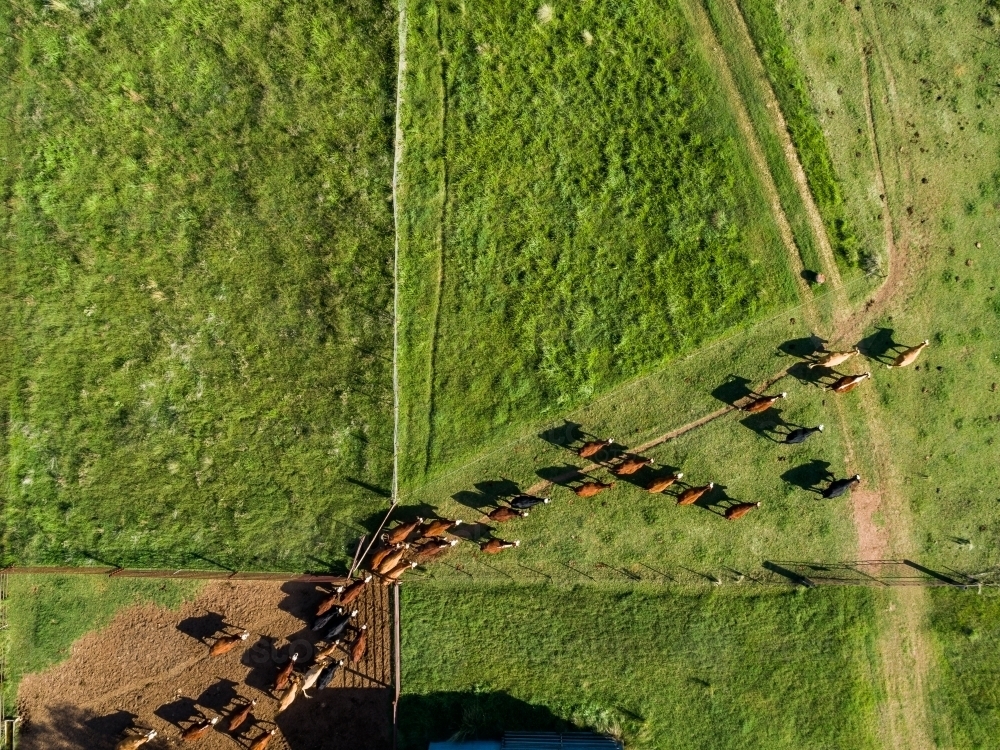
x=150 y=669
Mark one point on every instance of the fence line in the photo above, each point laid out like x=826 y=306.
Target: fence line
x=207 y=575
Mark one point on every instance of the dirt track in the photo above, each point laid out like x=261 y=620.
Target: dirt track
x=150 y=669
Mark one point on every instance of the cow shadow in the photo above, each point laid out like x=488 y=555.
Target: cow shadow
x=565 y=475
x=564 y=435
x=473 y=532
x=112 y=725
x=180 y=712
x=262 y=658
x=218 y=696
x=803 y=348
x=301 y=599
x=878 y=345
x=769 y=425
x=818 y=376
x=809 y=476
x=733 y=390
x=715 y=500
x=204 y=627
x=487 y=495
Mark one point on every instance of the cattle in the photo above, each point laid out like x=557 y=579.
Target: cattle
x=281 y=679
x=594 y=447
x=833 y=359
x=400 y=534
x=391 y=561
x=396 y=573
x=589 y=489
x=438 y=527
x=313 y=673
x=762 y=404
x=338 y=625
x=435 y=547
x=199 y=730
x=839 y=486
x=504 y=514
x=360 y=645
x=909 y=356
x=662 y=483
x=261 y=742
x=802 y=434
x=631 y=465
x=291 y=694
x=328 y=651
x=848 y=383
x=133 y=743
x=495 y=546
x=379 y=556
x=237 y=719
x=227 y=643
x=353 y=591
x=526 y=502
x=692 y=494
x=739 y=510
x=327 y=675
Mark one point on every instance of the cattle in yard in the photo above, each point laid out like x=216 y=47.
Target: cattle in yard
x=292 y=693
x=802 y=434
x=739 y=510
x=438 y=527
x=281 y=679
x=134 y=743
x=237 y=719
x=496 y=546
x=848 y=383
x=391 y=561
x=839 y=486
x=832 y=359
x=343 y=596
x=328 y=651
x=327 y=675
x=526 y=502
x=400 y=534
x=589 y=489
x=227 y=643
x=909 y=356
x=692 y=494
x=662 y=483
x=504 y=514
x=360 y=645
x=262 y=742
x=433 y=548
x=199 y=730
x=594 y=447
x=762 y=404
x=396 y=573
x=631 y=465
x=383 y=553
x=337 y=624
x=312 y=674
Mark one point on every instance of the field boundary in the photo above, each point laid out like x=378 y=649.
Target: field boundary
x=397 y=159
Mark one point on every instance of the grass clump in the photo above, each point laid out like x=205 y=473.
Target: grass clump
x=197 y=274
x=661 y=669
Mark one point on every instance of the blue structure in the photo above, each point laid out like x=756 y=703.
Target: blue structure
x=537 y=741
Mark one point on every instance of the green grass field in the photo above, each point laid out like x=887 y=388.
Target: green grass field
x=578 y=210
x=197 y=272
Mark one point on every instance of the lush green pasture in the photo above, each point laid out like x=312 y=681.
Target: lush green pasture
x=578 y=208
x=197 y=250
x=727 y=669
x=46 y=614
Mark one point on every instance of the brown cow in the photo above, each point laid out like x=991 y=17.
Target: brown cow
x=659 y=485
x=495 y=546
x=848 y=383
x=237 y=719
x=134 y=743
x=504 y=514
x=739 y=510
x=400 y=534
x=909 y=356
x=391 y=561
x=594 y=447
x=762 y=404
x=438 y=527
x=631 y=465
x=293 y=692
x=589 y=489
x=199 y=730
x=692 y=494
x=434 y=547
x=328 y=651
x=833 y=359
x=261 y=742
x=227 y=643
x=384 y=552
x=281 y=679
x=359 y=645
x=342 y=596
x=394 y=574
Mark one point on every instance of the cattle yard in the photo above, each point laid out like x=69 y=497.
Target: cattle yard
x=550 y=292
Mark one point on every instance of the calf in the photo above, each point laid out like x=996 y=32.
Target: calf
x=199 y=730
x=261 y=742
x=526 y=502
x=800 y=435
x=762 y=404
x=227 y=643
x=504 y=514
x=909 y=356
x=400 y=534
x=589 y=489
x=594 y=447
x=833 y=359
x=631 y=465
x=848 y=383
x=281 y=679
x=738 y=511
x=839 y=486
x=237 y=719
x=396 y=573
x=360 y=645
x=495 y=546
x=659 y=485
x=133 y=743
x=692 y=494
x=438 y=527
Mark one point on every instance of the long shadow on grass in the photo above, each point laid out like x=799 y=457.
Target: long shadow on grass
x=734 y=390
x=804 y=348
x=565 y=475
x=816 y=376
x=809 y=476
x=769 y=425
x=487 y=495
x=564 y=435
x=878 y=345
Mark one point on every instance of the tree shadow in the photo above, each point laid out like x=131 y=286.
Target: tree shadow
x=733 y=390
x=564 y=435
x=803 y=348
x=769 y=425
x=180 y=712
x=203 y=627
x=809 y=476
x=878 y=345
x=218 y=696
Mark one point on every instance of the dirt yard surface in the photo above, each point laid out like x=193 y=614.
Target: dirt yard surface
x=150 y=669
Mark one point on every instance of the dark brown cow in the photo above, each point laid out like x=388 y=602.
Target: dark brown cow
x=199 y=730
x=359 y=645
x=284 y=674
x=495 y=546
x=589 y=489
x=738 y=511
x=438 y=527
x=762 y=404
x=594 y=447
x=504 y=514
x=400 y=534
x=237 y=719
x=692 y=494
x=631 y=465
x=227 y=643
x=663 y=483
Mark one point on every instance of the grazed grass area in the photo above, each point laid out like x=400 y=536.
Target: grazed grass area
x=726 y=669
x=792 y=91
x=578 y=209
x=48 y=613
x=197 y=264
